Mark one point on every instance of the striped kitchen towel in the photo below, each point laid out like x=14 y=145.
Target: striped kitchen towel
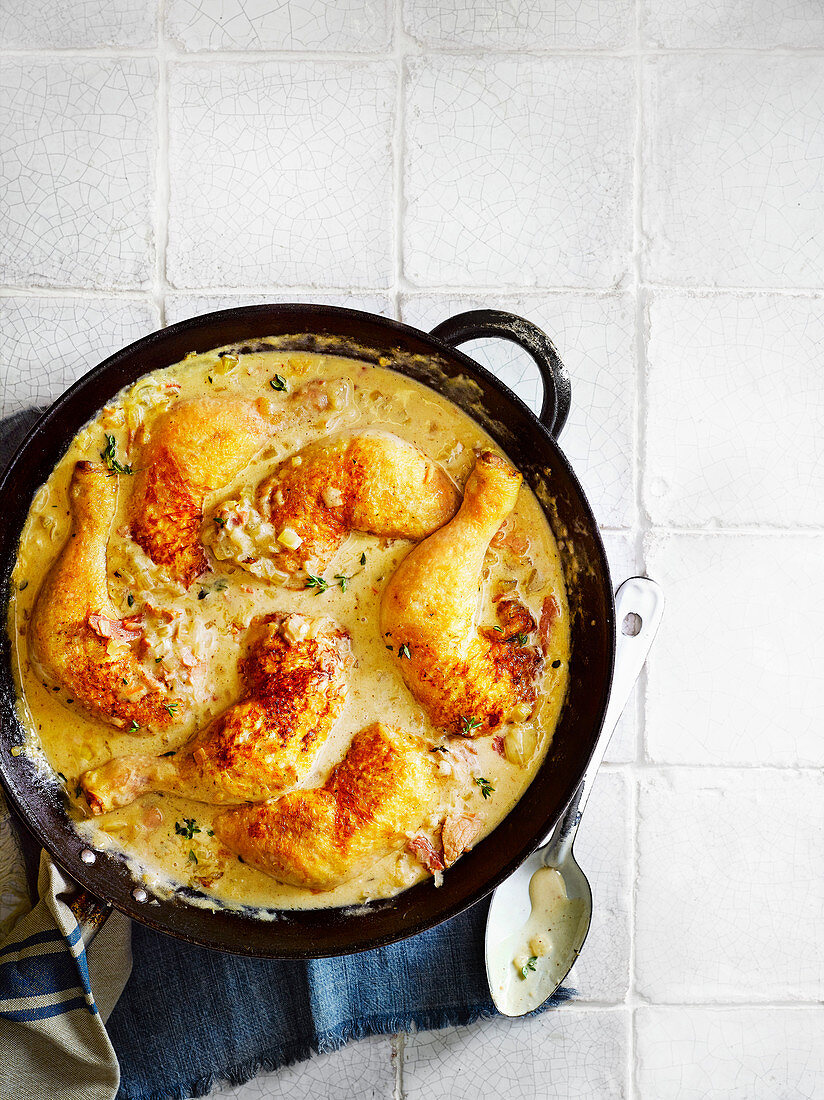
x=53 y=1041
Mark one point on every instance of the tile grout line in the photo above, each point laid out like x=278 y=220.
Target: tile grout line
x=162 y=175
x=639 y=396
x=398 y=154
x=481 y=53
x=412 y=290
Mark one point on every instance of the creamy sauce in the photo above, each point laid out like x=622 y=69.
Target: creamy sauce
x=167 y=838
x=529 y=964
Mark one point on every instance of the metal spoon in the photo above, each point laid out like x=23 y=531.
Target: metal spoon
x=549 y=895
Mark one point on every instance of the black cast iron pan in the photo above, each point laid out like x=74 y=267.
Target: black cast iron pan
x=529 y=441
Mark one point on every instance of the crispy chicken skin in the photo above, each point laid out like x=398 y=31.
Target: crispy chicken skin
x=369 y=481
x=295 y=686
x=468 y=680
x=194 y=449
x=75 y=635
x=379 y=794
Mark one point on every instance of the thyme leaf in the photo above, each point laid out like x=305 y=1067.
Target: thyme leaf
x=529 y=965
x=109 y=456
x=319 y=583
x=485 y=785
x=188 y=828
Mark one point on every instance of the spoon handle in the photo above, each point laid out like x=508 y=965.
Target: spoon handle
x=643 y=599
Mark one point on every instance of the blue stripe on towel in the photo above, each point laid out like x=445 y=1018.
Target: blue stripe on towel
x=38 y=976
x=50 y=935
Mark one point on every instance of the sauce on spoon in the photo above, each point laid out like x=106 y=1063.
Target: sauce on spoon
x=542 y=950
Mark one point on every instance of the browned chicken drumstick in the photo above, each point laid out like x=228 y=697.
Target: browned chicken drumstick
x=194 y=449
x=295 y=686
x=75 y=635
x=374 y=799
x=370 y=481
x=469 y=680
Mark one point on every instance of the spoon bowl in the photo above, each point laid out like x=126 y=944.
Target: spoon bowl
x=539 y=918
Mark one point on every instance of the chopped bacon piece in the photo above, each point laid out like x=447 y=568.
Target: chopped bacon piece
x=498 y=745
x=549 y=613
x=422 y=848
x=514 y=619
x=461 y=749
x=121 y=630
x=460 y=831
x=511 y=538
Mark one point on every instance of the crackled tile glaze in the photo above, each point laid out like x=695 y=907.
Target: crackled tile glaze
x=519 y=24
x=732 y=175
x=48 y=343
x=360 y=25
x=737 y=1053
x=729 y=891
x=734 y=411
x=293 y=180
x=567 y=1052
x=76 y=172
x=65 y=24
x=737 y=674
x=518 y=171
x=695 y=23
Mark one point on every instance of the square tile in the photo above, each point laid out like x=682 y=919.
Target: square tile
x=733 y=187
x=77 y=172
x=594 y=336
x=180 y=305
x=729 y=888
x=737 y=1053
x=736 y=675
x=518 y=171
x=566 y=1052
x=520 y=23
x=48 y=343
x=293 y=182
x=76 y=24
x=355 y=25
x=757 y=23
x=735 y=406
x=364 y=1070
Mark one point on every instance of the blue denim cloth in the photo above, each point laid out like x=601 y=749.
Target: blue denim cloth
x=190 y=1017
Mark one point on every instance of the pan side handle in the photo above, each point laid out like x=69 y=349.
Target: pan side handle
x=90 y=913
x=477 y=323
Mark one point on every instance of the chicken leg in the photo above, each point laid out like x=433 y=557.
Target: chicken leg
x=468 y=681
x=369 y=481
x=75 y=635
x=194 y=449
x=295 y=686
x=374 y=799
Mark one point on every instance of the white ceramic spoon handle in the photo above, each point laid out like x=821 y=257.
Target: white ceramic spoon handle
x=636 y=596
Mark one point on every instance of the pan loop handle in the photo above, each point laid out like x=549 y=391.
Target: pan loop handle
x=477 y=323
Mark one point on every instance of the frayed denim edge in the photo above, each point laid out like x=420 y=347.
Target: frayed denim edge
x=331 y=1040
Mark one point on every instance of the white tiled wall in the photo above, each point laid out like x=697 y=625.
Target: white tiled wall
x=644 y=180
